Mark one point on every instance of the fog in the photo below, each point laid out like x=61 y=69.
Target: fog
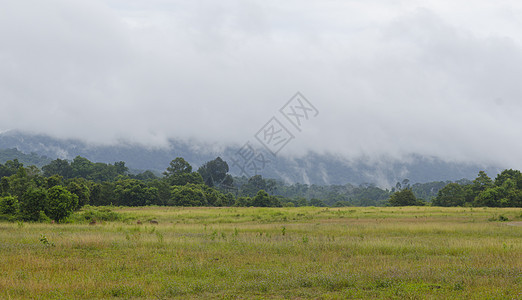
x=388 y=78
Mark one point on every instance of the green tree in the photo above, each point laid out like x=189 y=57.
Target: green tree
x=80 y=188
x=61 y=203
x=214 y=173
x=481 y=183
x=133 y=192
x=8 y=205
x=453 y=194
x=514 y=175
x=81 y=167
x=178 y=166
x=187 y=195
x=19 y=183
x=243 y=202
x=33 y=201
x=120 y=167
x=254 y=184
x=316 y=202
x=489 y=197
x=506 y=195
x=13 y=166
x=145 y=176
x=403 y=197
x=53 y=180
x=59 y=167
x=185 y=178
x=511 y=194
x=102 y=193
x=262 y=199
x=5 y=186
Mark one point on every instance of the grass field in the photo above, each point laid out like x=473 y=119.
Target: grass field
x=410 y=252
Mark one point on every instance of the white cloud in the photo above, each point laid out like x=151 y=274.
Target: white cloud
x=390 y=78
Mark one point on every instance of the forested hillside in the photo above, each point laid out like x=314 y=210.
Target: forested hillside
x=313 y=168
x=26 y=159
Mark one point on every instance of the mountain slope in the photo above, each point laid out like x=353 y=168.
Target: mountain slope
x=313 y=169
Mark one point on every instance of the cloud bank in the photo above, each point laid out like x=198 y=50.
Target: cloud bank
x=390 y=78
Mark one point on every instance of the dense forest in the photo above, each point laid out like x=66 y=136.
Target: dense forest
x=55 y=190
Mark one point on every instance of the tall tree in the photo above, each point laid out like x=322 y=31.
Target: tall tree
x=59 y=167
x=453 y=194
x=214 y=173
x=178 y=166
x=82 y=167
x=121 y=169
x=481 y=183
x=514 y=175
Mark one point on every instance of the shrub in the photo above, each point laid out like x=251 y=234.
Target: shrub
x=95 y=213
x=8 y=205
x=403 y=198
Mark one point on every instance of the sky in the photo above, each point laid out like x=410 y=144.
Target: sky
x=387 y=78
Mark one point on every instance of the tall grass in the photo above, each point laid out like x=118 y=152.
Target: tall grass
x=407 y=252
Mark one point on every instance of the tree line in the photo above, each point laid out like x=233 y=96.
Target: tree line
x=504 y=191
x=62 y=186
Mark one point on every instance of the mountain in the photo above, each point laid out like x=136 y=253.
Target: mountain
x=26 y=159
x=311 y=169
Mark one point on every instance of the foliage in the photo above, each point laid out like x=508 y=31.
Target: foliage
x=80 y=188
x=133 y=192
x=185 y=178
x=89 y=213
x=107 y=184
x=214 y=173
x=27 y=159
x=262 y=199
x=60 y=167
x=61 y=203
x=8 y=205
x=188 y=195
x=453 y=194
x=404 y=198
x=178 y=166
x=33 y=202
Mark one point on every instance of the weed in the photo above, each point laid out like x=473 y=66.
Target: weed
x=45 y=241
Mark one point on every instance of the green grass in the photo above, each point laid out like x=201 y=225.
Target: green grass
x=335 y=253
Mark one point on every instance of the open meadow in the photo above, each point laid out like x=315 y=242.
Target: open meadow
x=304 y=252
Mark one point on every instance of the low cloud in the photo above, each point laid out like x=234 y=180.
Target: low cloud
x=390 y=78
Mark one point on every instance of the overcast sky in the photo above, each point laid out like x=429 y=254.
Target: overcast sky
x=436 y=78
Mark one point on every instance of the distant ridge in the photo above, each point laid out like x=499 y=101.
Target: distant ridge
x=312 y=169
x=31 y=159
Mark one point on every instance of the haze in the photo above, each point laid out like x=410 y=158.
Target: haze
x=389 y=78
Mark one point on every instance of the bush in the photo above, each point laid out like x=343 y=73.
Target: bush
x=95 y=213
x=404 y=198
x=8 y=205
x=500 y=218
